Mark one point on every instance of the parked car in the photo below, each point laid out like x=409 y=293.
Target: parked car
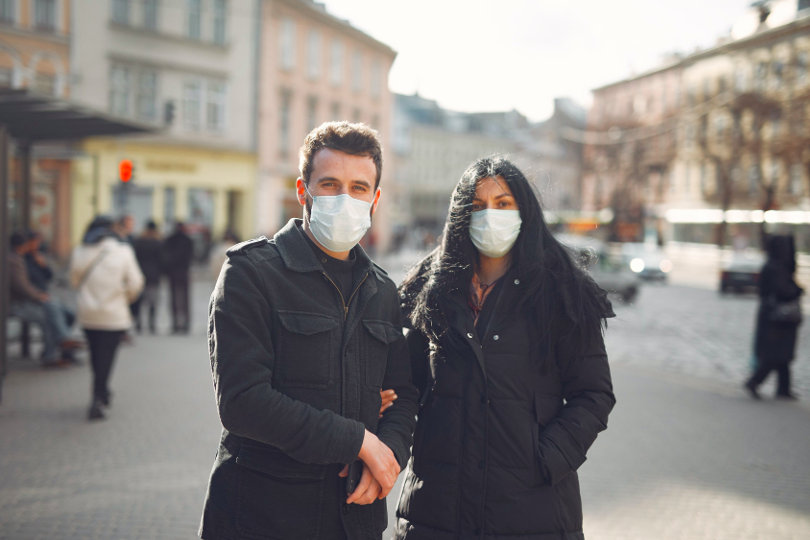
x=741 y=272
x=608 y=272
x=648 y=261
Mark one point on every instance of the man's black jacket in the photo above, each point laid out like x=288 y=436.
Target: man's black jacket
x=297 y=371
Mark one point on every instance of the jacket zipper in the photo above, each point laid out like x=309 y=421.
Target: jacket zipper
x=343 y=301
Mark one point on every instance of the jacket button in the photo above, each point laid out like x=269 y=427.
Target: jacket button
x=517 y=282
x=469 y=335
x=496 y=337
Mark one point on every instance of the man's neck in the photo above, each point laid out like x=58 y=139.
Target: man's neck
x=341 y=255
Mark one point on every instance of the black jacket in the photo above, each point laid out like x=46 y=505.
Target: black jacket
x=298 y=379
x=178 y=253
x=499 y=438
x=775 y=343
x=149 y=253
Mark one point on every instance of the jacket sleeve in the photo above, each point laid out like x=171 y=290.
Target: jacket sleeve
x=242 y=359
x=396 y=426
x=19 y=281
x=588 y=394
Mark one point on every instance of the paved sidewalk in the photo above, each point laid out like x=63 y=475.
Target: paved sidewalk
x=683 y=458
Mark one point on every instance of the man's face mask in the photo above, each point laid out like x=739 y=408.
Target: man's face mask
x=494 y=232
x=338 y=222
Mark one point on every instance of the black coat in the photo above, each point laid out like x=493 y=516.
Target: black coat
x=297 y=382
x=149 y=253
x=178 y=252
x=499 y=439
x=775 y=343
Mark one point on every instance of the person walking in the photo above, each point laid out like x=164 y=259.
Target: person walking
x=178 y=252
x=149 y=253
x=508 y=354
x=778 y=318
x=106 y=276
x=304 y=330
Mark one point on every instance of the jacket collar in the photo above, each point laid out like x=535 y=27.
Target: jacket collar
x=296 y=254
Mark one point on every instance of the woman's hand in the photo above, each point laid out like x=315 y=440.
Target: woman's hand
x=387 y=397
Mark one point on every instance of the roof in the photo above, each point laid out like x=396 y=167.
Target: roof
x=35 y=117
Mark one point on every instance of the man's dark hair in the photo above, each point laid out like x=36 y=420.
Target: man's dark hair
x=352 y=138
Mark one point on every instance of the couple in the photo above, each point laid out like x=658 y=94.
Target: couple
x=503 y=367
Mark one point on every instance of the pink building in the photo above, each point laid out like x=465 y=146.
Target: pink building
x=313 y=68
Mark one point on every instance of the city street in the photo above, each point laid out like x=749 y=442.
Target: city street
x=688 y=455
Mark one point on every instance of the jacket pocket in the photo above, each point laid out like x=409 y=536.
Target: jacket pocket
x=377 y=338
x=546 y=407
x=305 y=349
x=278 y=497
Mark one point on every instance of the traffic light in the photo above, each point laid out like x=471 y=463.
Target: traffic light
x=125 y=170
x=168 y=112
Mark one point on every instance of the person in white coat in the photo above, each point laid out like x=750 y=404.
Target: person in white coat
x=107 y=278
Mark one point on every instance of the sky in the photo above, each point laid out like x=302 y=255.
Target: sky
x=497 y=55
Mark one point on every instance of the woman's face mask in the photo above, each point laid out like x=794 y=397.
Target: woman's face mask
x=494 y=232
x=338 y=222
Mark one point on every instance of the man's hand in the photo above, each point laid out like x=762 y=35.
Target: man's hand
x=368 y=489
x=387 y=397
x=379 y=460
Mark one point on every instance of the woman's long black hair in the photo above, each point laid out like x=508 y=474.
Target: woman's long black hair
x=562 y=299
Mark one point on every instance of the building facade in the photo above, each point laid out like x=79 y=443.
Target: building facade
x=314 y=68
x=35 y=54
x=713 y=145
x=187 y=68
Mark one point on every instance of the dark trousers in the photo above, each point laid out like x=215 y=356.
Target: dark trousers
x=782 y=373
x=103 y=345
x=178 y=286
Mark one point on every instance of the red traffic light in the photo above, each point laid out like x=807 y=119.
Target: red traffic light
x=125 y=169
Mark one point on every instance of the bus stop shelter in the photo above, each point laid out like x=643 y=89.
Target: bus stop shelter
x=27 y=118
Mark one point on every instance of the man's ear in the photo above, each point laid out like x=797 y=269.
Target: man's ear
x=376 y=201
x=300 y=191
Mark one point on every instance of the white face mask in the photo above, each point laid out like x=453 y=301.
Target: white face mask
x=338 y=222
x=493 y=232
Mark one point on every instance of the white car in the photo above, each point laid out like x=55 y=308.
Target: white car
x=647 y=261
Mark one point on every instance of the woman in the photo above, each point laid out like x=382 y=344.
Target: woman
x=775 y=340
x=107 y=278
x=507 y=350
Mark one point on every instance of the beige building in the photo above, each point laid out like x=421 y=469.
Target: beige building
x=315 y=68
x=187 y=68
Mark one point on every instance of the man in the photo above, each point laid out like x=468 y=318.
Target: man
x=178 y=251
x=34 y=305
x=148 y=251
x=304 y=331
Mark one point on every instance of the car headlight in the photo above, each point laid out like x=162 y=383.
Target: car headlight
x=665 y=266
x=637 y=265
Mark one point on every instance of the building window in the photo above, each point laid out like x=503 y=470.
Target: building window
x=287 y=44
x=192 y=100
x=6 y=77
x=357 y=71
x=753 y=179
x=314 y=54
x=45 y=83
x=778 y=74
x=194 y=18
x=146 y=98
x=150 y=14
x=376 y=79
x=312 y=113
x=215 y=108
x=336 y=63
x=284 y=122
x=120 y=11
x=804 y=4
x=760 y=74
x=801 y=67
x=8 y=13
x=45 y=15
x=220 y=21
x=119 y=90
x=795 y=182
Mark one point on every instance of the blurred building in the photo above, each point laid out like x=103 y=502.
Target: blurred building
x=315 y=68
x=34 y=54
x=189 y=68
x=713 y=144
x=433 y=147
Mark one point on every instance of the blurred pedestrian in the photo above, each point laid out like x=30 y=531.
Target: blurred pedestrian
x=304 y=329
x=778 y=317
x=508 y=353
x=106 y=276
x=149 y=252
x=31 y=304
x=178 y=252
